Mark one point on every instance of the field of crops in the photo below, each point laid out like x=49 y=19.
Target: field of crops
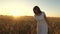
x=26 y=25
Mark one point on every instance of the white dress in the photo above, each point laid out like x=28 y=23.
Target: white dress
x=42 y=27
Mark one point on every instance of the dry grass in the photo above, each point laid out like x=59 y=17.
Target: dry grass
x=26 y=25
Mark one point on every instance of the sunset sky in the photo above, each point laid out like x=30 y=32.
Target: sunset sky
x=25 y=7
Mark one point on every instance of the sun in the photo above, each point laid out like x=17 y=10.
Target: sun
x=16 y=13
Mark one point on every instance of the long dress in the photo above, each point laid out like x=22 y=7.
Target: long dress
x=42 y=27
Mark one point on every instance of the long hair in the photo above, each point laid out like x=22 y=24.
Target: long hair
x=36 y=10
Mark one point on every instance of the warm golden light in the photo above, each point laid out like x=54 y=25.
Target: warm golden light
x=16 y=13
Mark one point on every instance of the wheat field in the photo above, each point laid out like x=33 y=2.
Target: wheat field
x=26 y=25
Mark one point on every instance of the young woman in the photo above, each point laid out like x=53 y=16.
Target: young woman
x=42 y=27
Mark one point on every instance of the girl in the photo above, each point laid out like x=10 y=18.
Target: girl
x=42 y=27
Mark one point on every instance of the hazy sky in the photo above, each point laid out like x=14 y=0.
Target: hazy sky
x=25 y=7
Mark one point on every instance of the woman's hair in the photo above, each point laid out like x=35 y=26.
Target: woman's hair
x=37 y=10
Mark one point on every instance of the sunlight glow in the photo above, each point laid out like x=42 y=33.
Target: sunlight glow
x=25 y=7
x=16 y=13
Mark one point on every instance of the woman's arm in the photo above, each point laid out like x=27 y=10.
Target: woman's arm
x=46 y=19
